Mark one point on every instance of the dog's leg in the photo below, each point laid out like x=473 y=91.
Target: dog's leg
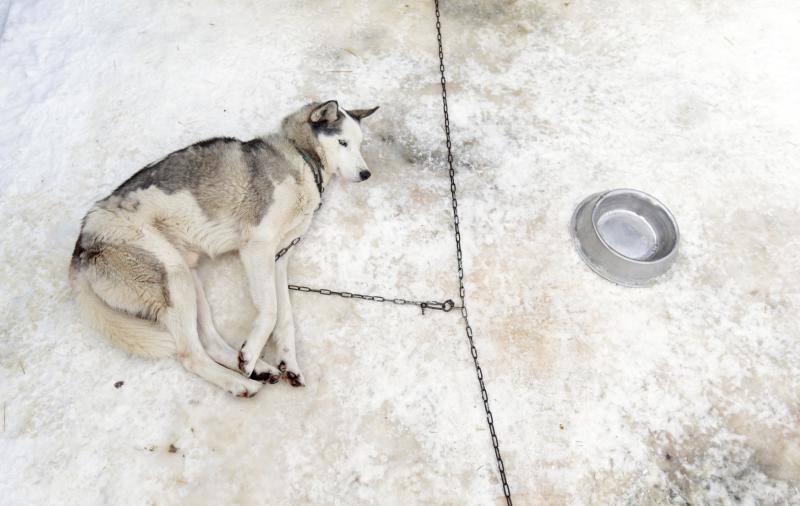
x=284 y=332
x=217 y=347
x=180 y=318
x=258 y=258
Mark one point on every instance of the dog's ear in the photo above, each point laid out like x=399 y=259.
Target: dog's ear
x=359 y=114
x=326 y=113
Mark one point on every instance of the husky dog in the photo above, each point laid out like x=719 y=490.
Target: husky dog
x=133 y=265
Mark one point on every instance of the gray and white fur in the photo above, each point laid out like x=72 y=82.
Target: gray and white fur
x=133 y=264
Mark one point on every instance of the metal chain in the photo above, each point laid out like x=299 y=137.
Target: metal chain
x=445 y=306
x=461 y=291
x=283 y=251
x=423 y=305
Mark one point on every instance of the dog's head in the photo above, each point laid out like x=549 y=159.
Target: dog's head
x=333 y=134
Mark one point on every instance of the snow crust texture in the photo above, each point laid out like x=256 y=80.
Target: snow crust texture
x=686 y=392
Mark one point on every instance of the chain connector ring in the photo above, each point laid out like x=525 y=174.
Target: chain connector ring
x=439 y=306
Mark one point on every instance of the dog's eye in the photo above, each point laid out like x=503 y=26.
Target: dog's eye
x=343 y=142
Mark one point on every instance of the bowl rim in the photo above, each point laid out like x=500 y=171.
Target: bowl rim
x=658 y=204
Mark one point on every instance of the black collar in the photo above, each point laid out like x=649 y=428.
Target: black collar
x=315 y=164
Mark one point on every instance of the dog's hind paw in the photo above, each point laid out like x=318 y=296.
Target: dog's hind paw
x=246 y=388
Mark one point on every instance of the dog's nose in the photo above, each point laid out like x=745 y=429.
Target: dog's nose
x=365 y=174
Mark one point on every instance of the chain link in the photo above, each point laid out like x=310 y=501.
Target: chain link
x=461 y=291
x=423 y=305
x=445 y=306
x=283 y=251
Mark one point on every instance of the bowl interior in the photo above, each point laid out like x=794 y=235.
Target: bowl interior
x=634 y=226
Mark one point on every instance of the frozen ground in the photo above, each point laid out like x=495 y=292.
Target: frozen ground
x=685 y=392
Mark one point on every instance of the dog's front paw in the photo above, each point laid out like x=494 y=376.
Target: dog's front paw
x=293 y=374
x=265 y=373
x=247 y=360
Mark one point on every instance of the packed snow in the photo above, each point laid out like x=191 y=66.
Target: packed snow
x=685 y=392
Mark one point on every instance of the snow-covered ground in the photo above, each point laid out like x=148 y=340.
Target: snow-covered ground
x=688 y=391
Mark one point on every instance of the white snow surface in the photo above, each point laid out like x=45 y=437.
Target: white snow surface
x=688 y=391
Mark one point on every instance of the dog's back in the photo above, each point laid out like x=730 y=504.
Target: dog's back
x=200 y=199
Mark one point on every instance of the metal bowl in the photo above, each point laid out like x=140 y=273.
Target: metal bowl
x=625 y=236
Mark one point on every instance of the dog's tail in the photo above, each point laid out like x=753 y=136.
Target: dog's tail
x=136 y=335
